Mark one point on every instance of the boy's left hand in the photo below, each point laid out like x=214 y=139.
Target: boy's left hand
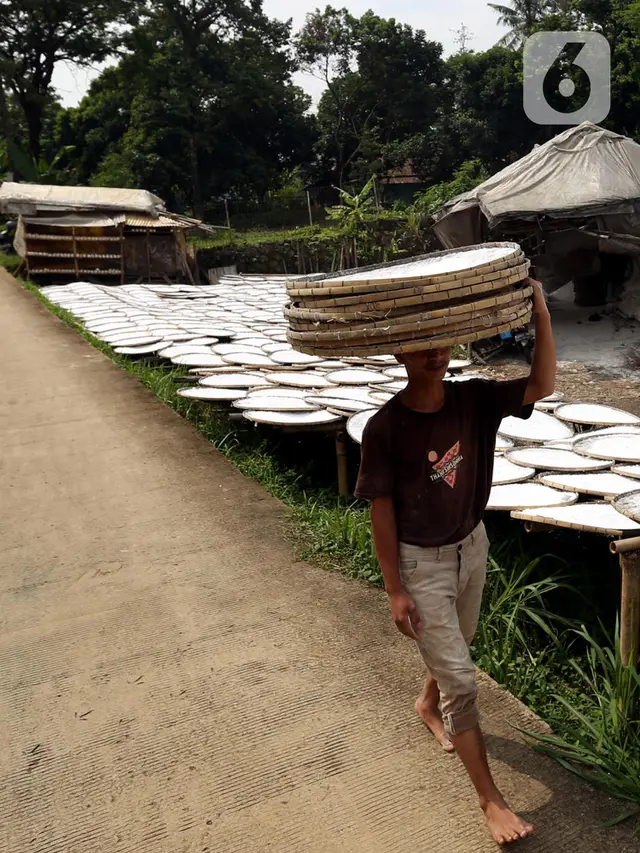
x=539 y=301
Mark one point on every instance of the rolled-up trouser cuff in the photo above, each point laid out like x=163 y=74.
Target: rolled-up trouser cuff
x=461 y=721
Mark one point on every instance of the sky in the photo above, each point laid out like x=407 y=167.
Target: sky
x=438 y=18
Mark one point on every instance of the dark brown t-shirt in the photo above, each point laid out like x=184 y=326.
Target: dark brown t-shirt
x=438 y=467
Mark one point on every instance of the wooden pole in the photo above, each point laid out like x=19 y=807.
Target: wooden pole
x=375 y=193
x=629 y=553
x=122 y=253
x=148 y=255
x=75 y=252
x=309 y=208
x=226 y=213
x=343 y=470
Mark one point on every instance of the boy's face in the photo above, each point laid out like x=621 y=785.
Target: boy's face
x=427 y=364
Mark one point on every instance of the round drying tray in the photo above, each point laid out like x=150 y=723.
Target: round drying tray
x=359 y=307
x=302 y=379
x=538 y=429
x=593 y=414
x=250 y=359
x=588 y=517
x=472 y=331
x=293 y=357
x=434 y=268
x=211 y=395
x=357 y=376
x=632 y=471
x=505 y=472
x=526 y=495
x=197 y=359
x=357 y=423
x=274 y=403
x=292 y=419
x=503 y=443
x=621 y=447
x=422 y=321
x=554 y=459
x=234 y=380
x=629 y=504
x=605 y=484
x=148 y=349
x=340 y=404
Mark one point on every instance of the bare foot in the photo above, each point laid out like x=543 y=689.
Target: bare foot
x=433 y=721
x=504 y=825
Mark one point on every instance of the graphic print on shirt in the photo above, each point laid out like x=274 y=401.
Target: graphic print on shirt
x=447 y=468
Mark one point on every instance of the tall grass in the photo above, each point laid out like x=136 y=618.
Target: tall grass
x=517 y=636
x=600 y=740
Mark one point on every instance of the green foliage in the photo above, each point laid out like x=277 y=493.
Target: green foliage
x=600 y=740
x=383 y=82
x=10 y=262
x=517 y=635
x=521 y=17
x=36 y=36
x=468 y=176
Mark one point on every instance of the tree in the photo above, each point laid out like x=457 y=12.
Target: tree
x=36 y=36
x=521 y=17
x=383 y=84
x=201 y=104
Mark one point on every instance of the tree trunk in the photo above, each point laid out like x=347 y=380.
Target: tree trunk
x=7 y=131
x=33 y=116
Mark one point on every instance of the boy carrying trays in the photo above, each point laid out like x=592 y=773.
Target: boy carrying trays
x=427 y=464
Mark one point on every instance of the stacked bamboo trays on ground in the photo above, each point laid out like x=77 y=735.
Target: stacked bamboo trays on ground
x=438 y=300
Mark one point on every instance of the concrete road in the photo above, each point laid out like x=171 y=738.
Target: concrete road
x=174 y=679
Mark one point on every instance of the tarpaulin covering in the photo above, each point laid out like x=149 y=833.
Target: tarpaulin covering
x=585 y=172
x=77 y=220
x=31 y=199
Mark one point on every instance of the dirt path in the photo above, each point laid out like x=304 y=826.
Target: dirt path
x=175 y=681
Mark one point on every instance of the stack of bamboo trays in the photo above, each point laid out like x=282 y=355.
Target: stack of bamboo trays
x=438 y=300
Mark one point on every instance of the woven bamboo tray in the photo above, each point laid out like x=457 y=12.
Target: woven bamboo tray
x=356 y=293
x=457 y=335
x=426 y=320
x=363 y=311
x=410 y=331
x=459 y=262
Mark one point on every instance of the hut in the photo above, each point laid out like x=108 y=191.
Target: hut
x=83 y=232
x=573 y=204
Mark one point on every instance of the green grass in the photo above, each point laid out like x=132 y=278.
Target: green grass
x=264 y=235
x=571 y=679
x=10 y=262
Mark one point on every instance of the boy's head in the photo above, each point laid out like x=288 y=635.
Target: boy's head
x=426 y=365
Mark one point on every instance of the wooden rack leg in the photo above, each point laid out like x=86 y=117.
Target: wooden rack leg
x=629 y=553
x=343 y=470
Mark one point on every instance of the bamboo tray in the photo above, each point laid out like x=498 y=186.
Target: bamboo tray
x=589 y=517
x=434 y=268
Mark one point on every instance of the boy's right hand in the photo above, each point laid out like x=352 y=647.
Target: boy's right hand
x=405 y=614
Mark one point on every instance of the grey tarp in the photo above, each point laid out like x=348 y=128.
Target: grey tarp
x=584 y=173
x=31 y=199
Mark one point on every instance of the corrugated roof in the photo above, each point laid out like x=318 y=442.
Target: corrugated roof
x=138 y=220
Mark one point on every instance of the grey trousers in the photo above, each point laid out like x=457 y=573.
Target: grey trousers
x=446 y=584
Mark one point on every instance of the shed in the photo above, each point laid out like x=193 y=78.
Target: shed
x=402 y=184
x=83 y=232
x=574 y=205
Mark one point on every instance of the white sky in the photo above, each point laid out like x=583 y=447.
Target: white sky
x=438 y=18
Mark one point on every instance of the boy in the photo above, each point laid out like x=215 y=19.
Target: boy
x=427 y=465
